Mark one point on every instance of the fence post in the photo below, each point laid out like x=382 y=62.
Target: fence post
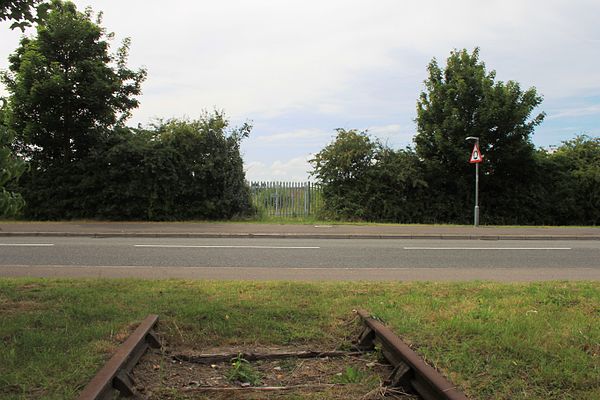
x=285 y=199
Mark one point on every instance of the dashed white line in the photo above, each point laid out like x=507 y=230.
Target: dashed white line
x=487 y=248
x=176 y=246
x=27 y=244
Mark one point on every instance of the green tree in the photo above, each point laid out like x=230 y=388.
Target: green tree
x=462 y=100
x=364 y=180
x=342 y=167
x=176 y=170
x=11 y=169
x=578 y=166
x=396 y=187
x=22 y=12
x=65 y=88
x=211 y=182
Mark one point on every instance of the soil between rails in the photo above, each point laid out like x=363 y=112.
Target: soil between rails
x=159 y=376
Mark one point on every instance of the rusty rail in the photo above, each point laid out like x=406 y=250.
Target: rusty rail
x=410 y=371
x=115 y=375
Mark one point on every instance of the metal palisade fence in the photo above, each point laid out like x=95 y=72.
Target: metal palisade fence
x=286 y=199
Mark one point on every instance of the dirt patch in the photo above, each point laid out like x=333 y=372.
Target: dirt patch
x=8 y=306
x=29 y=287
x=159 y=376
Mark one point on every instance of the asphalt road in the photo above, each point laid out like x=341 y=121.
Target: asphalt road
x=300 y=259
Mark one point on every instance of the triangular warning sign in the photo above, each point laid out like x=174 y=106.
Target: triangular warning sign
x=476 y=156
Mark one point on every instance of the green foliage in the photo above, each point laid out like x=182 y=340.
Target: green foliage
x=342 y=167
x=362 y=179
x=463 y=100
x=571 y=178
x=22 y=12
x=65 y=88
x=176 y=170
x=69 y=98
x=582 y=156
x=241 y=371
x=11 y=168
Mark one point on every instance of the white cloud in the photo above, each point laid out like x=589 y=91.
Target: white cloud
x=267 y=56
x=575 y=112
x=297 y=135
x=295 y=169
x=393 y=134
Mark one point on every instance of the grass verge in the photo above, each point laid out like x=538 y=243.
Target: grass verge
x=497 y=341
x=299 y=220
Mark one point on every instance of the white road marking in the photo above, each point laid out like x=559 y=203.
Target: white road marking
x=177 y=246
x=487 y=248
x=27 y=244
x=218 y=267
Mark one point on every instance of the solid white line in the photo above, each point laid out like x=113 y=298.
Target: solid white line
x=27 y=244
x=176 y=246
x=487 y=248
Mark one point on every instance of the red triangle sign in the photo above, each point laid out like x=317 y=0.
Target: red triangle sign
x=476 y=156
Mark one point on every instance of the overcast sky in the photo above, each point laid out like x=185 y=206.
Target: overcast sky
x=299 y=69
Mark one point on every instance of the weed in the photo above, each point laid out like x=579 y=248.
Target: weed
x=242 y=371
x=350 y=375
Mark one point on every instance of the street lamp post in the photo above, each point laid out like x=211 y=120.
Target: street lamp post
x=476 y=160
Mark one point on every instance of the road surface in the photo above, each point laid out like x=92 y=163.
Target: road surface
x=300 y=259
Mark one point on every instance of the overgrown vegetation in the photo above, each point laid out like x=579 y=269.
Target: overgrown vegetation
x=69 y=100
x=176 y=170
x=497 y=341
x=433 y=183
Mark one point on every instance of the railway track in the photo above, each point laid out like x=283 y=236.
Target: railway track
x=410 y=373
x=115 y=375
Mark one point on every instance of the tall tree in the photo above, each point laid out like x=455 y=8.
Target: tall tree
x=462 y=100
x=22 y=13
x=66 y=89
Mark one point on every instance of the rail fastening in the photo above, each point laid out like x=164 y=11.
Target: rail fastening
x=115 y=375
x=410 y=371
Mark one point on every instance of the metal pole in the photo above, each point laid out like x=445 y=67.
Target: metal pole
x=476 y=211
x=476 y=194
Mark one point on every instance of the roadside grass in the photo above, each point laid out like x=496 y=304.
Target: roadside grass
x=497 y=341
x=313 y=220
x=298 y=220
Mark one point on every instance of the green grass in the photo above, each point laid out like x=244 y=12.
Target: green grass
x=498 y=341
x=301 y=220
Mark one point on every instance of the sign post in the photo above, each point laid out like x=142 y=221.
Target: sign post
x=476 y=158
